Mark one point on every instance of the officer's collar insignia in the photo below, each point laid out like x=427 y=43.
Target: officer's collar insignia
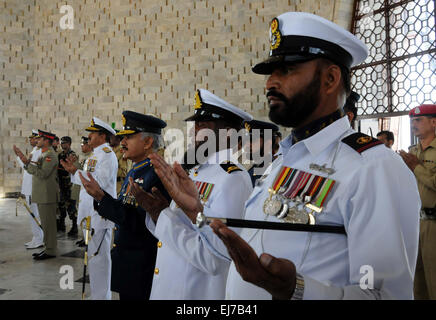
x=107 y=149
x=197 y=103
x=417 y=111
x=247 y=127
x=276 y=36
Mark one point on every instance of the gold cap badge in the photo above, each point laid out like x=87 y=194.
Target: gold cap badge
x=276 y=36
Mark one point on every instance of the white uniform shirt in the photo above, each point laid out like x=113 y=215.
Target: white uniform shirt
x=188 y=265
x=103 y=165
x=375 y=198
x=26 y=186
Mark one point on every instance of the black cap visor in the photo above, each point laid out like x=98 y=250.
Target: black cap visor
x=269 y=65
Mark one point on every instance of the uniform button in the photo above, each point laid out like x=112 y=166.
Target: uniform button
x=156 y=271
x=115 y=228
x=114 y=245
x=159 y=244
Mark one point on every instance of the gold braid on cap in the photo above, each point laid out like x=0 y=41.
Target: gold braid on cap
x=197 y=102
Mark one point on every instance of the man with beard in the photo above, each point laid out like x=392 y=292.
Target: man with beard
x=189 y=267
x=327 y=178
x=261 y=146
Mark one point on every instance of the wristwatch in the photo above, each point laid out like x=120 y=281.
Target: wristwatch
x=299 y=288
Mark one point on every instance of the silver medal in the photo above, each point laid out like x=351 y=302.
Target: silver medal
x=301 y=216
x=272 y=206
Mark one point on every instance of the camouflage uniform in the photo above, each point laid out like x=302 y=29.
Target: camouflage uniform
x=66 y=203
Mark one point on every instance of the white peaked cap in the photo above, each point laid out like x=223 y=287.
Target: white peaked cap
x=98 y=125
x=209 y=107
x=302 y=36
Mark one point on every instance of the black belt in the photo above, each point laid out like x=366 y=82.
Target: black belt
x=429 y=211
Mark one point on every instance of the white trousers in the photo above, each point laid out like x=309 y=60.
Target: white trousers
x=100 y=265
x=38 y=234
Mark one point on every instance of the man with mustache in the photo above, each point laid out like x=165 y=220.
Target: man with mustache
x=326 y=175
x=189 y=267
x=421 y=160
x=134 y=249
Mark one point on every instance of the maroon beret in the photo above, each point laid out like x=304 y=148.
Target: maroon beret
x=428 y=110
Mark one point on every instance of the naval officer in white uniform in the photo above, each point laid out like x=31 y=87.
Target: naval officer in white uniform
x=187 y=268
x=26 y=189
x=352 y=179
x=102 y=164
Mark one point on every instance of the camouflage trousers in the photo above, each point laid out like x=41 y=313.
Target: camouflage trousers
x=67 y=205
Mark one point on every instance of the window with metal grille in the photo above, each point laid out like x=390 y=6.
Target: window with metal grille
x=400 y=71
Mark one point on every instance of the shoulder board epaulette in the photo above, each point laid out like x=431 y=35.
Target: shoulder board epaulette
x=230 y=167
x=107 y=149
x=360 y=141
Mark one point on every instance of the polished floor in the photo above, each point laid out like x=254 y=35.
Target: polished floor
x=21 y=277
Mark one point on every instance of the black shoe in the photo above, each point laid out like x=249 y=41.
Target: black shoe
x=81 y=244
x=43 y=256
x=37 y=254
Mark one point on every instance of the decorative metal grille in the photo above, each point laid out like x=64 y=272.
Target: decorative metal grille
x=400 y=71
